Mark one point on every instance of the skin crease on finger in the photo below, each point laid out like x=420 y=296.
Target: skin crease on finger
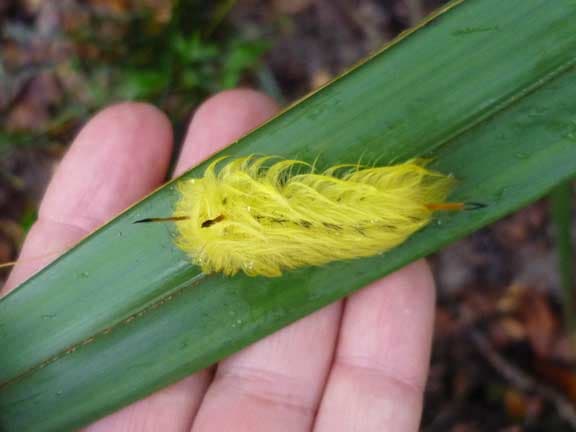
x=294 y=380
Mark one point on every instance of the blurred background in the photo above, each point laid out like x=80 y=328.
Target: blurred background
x=503 y=355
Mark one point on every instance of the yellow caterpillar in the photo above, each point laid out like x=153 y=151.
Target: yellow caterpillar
x=262 y=217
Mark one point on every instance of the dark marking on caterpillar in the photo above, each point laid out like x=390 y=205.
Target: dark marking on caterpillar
x=208 y=223
x=332 y=226
x=271 y=219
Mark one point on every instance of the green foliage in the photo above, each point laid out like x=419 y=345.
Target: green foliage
x=28 y=218
x=173 y=64
x=561 y=209
x=174 y=56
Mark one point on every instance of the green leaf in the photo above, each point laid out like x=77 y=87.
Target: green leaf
x=561 y=217
x=242 y=56
x=140 y=84
x=193 y=49
x=28 y=218
x=487 y=88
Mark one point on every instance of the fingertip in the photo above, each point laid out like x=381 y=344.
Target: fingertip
x=244 y=104
x=130 y=110
x=221 y=120
x=129 y=116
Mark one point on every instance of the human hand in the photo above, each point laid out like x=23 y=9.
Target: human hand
x=356 y=365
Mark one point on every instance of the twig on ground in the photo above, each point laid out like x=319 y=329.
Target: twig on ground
x=522 y=381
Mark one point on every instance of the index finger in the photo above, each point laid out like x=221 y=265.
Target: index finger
x=118 y=157
x=381 y=362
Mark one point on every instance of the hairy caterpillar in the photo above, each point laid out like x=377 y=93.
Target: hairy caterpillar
x=262 y=217
x=262 y=220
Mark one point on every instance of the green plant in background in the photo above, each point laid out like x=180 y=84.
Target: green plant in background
x=28 y=219
x=486 y=88
x=173 y=64
x=173 y=55
x=562 y=216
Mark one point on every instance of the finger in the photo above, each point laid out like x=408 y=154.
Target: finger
x=381 y=362
x=218 y=122
x=275 y=384
x=167 y=410
x=118 y=157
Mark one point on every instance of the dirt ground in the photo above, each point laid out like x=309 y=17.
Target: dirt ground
x=502 y=360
